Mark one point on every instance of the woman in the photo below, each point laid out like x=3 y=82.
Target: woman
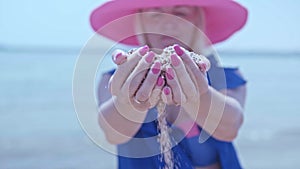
x=197 y=104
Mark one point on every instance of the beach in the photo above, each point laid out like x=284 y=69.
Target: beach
x=40 y=129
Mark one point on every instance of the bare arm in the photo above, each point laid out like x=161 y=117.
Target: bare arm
x=236 y=95
x=224 y=108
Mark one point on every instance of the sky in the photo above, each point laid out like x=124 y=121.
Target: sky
x=273 y=25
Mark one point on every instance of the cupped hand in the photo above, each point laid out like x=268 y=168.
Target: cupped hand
x=136 y=82
x=186 y=80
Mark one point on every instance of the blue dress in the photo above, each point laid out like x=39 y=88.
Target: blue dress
x=143 y=150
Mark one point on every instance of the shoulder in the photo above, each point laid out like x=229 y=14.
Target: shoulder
x=225 y=78
x=221 y=77
x=234 y=78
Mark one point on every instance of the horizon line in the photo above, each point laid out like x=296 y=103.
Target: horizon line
x=74 y=49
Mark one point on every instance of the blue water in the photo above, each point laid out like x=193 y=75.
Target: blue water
x=36 y=93
x=272 y=104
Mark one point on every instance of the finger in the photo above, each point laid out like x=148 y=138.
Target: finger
x=187 y=85
x=204 y=61
x=119 y=57
x=193 y=70
x=172 y=81
x=185 y=59
x=134 y=83
x=148 y=84
x=156 y=93
x=137 y=77
x=202 y=66
x=167 y=95
x=124 y=70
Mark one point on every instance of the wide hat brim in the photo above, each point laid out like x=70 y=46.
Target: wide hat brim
x=222 y=18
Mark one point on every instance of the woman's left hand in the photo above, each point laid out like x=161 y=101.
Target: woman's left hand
x=186 y=81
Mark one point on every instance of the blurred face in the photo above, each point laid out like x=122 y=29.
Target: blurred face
x=170 y=25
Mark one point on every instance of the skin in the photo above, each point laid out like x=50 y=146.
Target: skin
x=171 y=26
x=120 y=116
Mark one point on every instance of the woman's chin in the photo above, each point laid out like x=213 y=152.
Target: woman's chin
x=163 y=42
x=168 y=41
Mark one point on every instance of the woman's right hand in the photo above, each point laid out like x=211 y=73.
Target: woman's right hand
x=136 y=82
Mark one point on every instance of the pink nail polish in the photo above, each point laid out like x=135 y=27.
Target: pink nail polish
x=156 y=68
x=149 y=57
x=174 y=60
x=143 y=50
x=178 y=50
x=160 y=81
x=170 y=73
x=167 y=90
x=202 y=67
x=117 y=56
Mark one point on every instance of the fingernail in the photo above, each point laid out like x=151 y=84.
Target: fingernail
x=160 y=81
x=202 y=67
x=117 y=56
x=175 y=60
x=143 y=50
x=149 y=57
x=170 y=73
x=167 y=90
x=178 y=50
x=156 y=68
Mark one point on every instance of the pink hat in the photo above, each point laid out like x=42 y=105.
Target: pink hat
x=223 y=17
